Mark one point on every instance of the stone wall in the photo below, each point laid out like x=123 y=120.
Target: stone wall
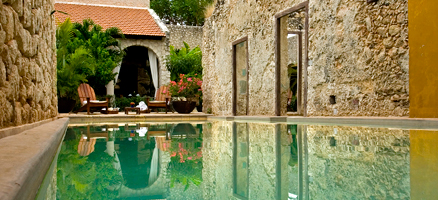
x=130 y=3
x=27 y=62
x=358 y=52
x=192 y=35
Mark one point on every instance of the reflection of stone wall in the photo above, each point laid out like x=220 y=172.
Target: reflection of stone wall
x=27 y=62
x=217 y=154
x=357 y=51
x=178 y=34
x=218 y=160
x=358 y=163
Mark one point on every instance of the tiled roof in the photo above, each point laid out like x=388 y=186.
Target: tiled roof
x=131 y=20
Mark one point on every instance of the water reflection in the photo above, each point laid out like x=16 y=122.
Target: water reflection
x=236 y=160
x=119 y=161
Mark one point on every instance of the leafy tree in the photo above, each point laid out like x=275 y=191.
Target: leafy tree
x=187 y=12
x=184 y=61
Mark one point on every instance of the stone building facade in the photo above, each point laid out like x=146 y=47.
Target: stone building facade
x=357 y=53
x=28 y=62
x=178 y=34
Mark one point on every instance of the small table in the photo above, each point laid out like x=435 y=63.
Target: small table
x=136 y=109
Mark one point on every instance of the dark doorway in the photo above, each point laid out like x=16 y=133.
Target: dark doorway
x=135 y=74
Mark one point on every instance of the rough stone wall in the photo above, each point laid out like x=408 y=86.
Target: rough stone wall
x=161 y=49
x=358 y=163
x=231 y=21
x=130 y=3
x=358 y=52
x=192 y=35
x=27 y=62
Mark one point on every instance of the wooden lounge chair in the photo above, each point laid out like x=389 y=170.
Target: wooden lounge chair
x=88 y=99
x=161 y=100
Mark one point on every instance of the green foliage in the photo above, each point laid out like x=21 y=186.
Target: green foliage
x=187 y=12
x=122 y=102
x=184 y=61
x=85 y=53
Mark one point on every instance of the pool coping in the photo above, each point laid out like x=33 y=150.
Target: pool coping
x=13 y=130
x=26 y=157
x=390 y=122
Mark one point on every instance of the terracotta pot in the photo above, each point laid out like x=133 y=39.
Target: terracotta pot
x=184 y=107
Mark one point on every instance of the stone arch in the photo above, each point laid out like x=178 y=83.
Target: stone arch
x=159 y=47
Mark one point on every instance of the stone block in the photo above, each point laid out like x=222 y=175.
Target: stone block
x=7 y=20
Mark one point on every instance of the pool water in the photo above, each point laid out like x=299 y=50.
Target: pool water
x=237 y=160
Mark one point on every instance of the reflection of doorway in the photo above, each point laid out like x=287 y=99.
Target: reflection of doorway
x=135 y=73
x=240 y=77
x=240 y=160
x=291 y=60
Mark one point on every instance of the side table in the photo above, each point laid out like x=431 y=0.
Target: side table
x=136 y=109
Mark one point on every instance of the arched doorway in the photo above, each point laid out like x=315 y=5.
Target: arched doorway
x=135 y=75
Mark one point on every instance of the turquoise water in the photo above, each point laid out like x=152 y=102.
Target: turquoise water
x=232 y=160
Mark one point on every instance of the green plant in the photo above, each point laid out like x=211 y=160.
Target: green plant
x=188 y=87
x=209 y=111
x=85 y=53
x=70 y=62
x=184 y=61
x=123 y=102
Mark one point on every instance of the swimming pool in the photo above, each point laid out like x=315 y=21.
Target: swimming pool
x=242 y=160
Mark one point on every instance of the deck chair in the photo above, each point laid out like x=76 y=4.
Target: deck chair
x=88 y=99
x=161 y=100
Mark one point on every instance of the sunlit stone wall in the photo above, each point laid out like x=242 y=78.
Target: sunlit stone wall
x=27 y=62
x=358 y=163
x=178 y=34
x=358 y=52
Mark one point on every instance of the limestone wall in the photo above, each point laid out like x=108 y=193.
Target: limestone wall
x=27 y=62
x=192 y=35
x=130 y=3
x=358 y=52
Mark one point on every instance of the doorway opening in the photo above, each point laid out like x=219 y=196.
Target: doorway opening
x=135 y=74
x=240 y=77
x=291 y=60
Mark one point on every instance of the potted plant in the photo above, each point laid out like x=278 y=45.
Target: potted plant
x=185 y=93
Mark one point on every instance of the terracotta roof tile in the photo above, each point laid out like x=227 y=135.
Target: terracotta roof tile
x=132 y=21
